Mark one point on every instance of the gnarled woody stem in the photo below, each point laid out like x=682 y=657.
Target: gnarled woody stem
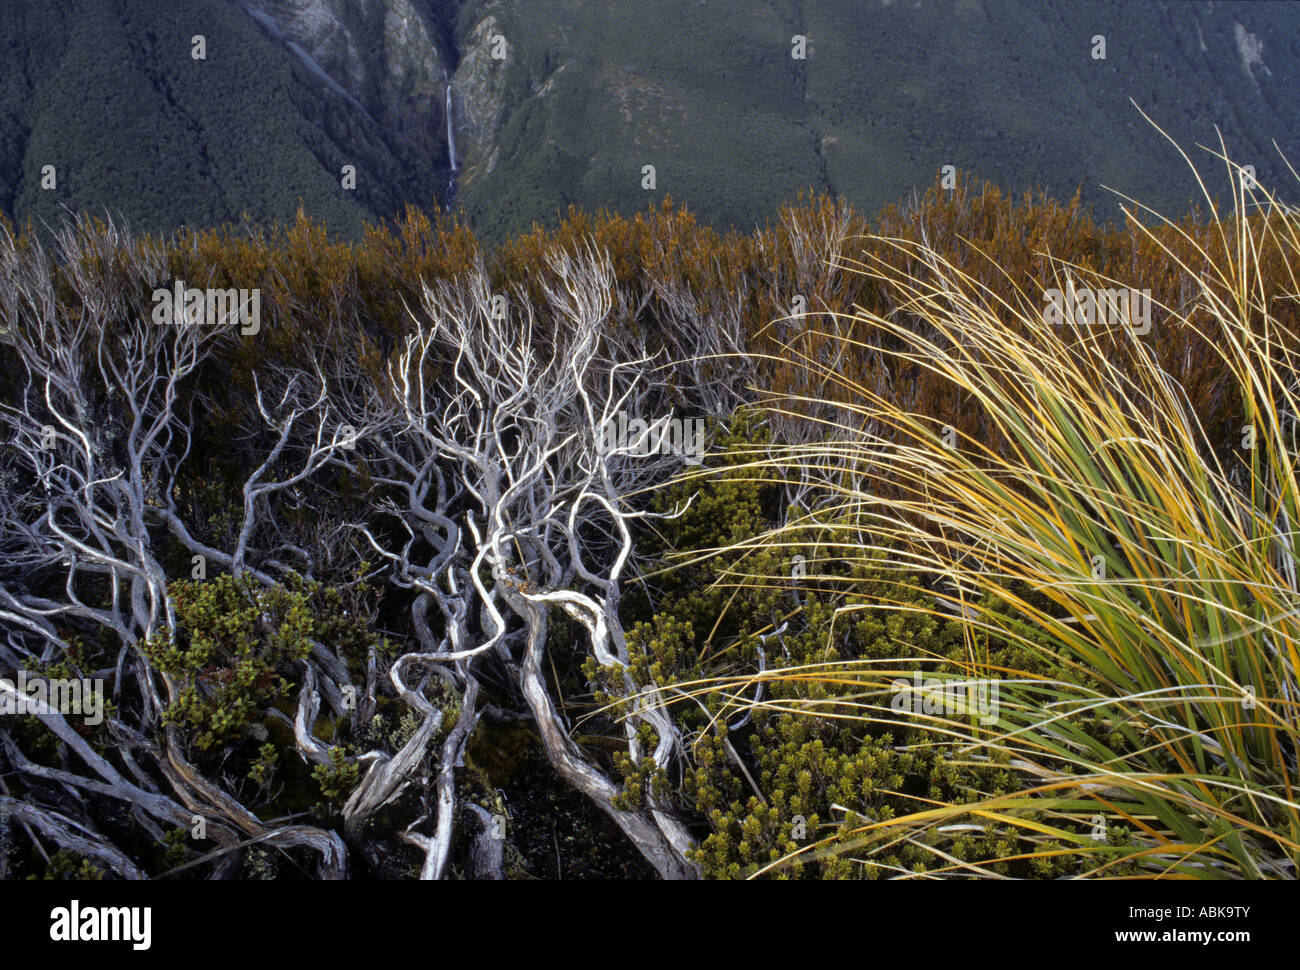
x=639 y=826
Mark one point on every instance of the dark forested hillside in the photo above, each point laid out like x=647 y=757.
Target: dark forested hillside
x=109 y=94
x=567 y=103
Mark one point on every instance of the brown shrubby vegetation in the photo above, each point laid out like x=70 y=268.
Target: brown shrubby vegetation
x=353 y=299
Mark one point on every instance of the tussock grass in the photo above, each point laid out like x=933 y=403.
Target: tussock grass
x=1098 y=527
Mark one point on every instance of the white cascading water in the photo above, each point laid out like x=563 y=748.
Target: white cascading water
x=451 y=134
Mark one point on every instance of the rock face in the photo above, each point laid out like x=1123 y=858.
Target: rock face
x=413 y=76
x=396 y=59
x=385 y=54
x=479 y=98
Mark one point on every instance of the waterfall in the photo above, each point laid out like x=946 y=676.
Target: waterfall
x=451 y=134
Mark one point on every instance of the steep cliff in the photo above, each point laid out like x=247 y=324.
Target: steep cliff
x=479 y=98
x=386 y=54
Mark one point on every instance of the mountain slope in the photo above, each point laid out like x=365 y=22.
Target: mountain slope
x=109 y=94
x=560 y=103
x=888 y=94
